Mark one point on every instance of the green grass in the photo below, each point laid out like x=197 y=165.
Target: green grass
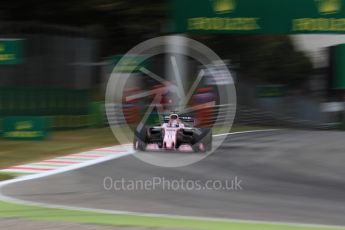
x=9 y=210
x=6 y=176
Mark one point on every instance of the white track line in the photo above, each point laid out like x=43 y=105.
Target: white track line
x=244 y=132
x=86 y=164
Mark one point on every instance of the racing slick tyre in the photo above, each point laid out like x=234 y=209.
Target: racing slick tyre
x=140 y=139
x=208 y=141
x=203 y=142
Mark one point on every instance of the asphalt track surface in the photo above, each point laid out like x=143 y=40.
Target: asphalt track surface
x=287 y=175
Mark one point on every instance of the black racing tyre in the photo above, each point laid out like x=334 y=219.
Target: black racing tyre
x=140 y=140
x=205 y=138
x=208 y=139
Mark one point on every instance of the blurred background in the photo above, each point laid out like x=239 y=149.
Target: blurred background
x=286 y=59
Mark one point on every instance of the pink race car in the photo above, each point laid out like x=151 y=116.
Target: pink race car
x=173 y=135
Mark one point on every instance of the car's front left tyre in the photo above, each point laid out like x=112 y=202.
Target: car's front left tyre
x=140 y=139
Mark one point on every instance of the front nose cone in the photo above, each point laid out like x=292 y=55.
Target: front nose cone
x=169 y=144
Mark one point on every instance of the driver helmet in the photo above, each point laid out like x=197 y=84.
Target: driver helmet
x=174 y=120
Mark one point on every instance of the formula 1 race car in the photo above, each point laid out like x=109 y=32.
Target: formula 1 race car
x=174 y=135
